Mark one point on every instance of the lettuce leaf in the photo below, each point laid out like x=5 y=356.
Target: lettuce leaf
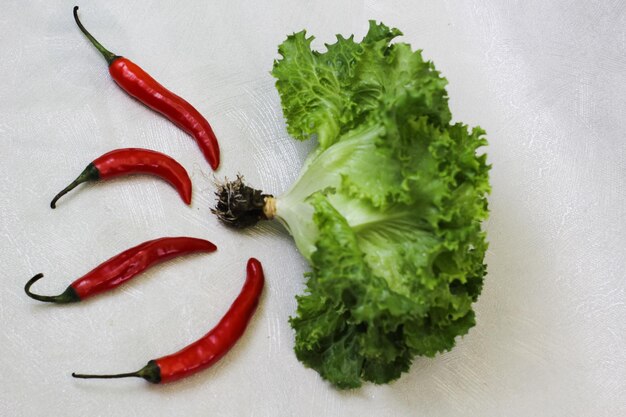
x=387 y=209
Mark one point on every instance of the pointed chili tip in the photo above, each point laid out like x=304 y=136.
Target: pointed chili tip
x=210 y=246
x=186 y=198
x=254 y=267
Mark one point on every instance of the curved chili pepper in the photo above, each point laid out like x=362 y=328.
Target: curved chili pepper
x=123 y=267
x=211 y=347
x=133 y=161
x=139 y=84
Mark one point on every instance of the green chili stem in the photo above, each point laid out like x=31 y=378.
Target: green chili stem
x=108 y=55
x=90 y=173
x=89 y=376
x=67 y=296
x=151 y=373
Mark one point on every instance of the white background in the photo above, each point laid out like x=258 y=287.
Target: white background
x=547 y=80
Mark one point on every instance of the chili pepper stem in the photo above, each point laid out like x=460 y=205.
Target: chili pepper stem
x=108 y=55
x=150 y=373
x=90 y=173
x=67 y=296
x=89 y=376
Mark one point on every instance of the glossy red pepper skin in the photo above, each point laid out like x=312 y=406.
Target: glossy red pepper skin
x=140 y=85
x=134 y=161
x=211 y=347
x=123 y=267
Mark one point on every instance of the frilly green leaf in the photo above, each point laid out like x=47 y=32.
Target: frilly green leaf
x=388 y=208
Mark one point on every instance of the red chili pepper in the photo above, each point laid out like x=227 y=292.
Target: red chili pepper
x=134 y=161
x=123 y=267
x=212 y=346
x=139 y=84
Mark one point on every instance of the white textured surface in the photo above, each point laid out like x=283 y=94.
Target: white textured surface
x=547 y=80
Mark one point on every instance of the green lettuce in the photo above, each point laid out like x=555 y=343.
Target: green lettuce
x=387 y=209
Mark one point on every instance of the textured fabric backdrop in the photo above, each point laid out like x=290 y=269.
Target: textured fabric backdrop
x=547 y=80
